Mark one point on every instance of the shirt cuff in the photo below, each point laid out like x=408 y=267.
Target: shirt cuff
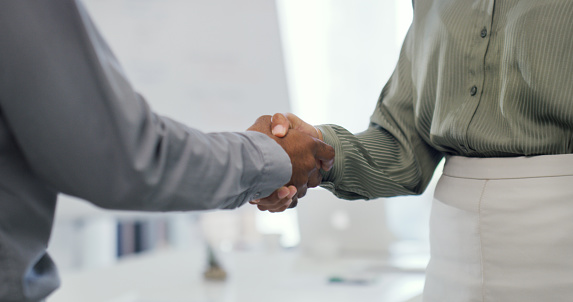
x=337 y=172
x=277 y=168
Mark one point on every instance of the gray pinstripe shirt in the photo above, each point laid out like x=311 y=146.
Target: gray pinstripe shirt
x=479 y=78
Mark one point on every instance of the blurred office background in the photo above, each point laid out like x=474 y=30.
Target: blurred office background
x=216 y=65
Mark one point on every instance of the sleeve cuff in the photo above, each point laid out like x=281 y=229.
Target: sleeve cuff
x=337 y=172
x=277 y=168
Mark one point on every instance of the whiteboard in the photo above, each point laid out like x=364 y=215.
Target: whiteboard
x=215 y=65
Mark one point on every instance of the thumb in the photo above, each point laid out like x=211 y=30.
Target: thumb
x=279 y=125
x=302 y=126
x=324 y=153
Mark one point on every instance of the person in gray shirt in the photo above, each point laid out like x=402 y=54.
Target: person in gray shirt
x=71 y=122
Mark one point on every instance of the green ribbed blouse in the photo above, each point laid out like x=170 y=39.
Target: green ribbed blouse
x=474 y=78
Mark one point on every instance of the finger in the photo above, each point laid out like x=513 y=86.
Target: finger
x=275 y=198
x=314 y=179
x=319 y=133
x=280 y=206
x=283 y=192
x=292 y=191
x=292 y=196
x=276 y=203
x=262 y=125
x=301 y=191
x=302 y=126
x=326 y=166
x=294 y=203
x=254 y=201
x=280 y=125
x=295 y=121
x=324 y=153
x=281 y=209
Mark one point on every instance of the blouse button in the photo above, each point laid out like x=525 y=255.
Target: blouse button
x=483 y=33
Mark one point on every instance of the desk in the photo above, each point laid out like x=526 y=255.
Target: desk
x=176 y=276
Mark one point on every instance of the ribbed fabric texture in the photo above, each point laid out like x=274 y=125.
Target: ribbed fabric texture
x=474 y=78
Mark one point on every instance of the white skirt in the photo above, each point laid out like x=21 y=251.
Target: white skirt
x=501 y=229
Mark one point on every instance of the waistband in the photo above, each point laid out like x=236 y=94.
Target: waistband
x=509 y=167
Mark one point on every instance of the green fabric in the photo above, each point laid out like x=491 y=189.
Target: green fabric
x=519 y=57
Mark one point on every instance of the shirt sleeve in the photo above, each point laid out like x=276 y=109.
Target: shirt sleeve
x=390 y=158
x=86 y=132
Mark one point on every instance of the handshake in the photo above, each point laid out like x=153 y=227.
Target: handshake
x=308 y=155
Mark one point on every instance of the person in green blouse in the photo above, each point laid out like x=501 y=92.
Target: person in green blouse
x=488 y=86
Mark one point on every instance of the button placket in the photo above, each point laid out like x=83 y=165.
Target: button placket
x=476 y=80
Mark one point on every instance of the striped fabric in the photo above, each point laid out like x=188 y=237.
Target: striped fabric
x=478 y=78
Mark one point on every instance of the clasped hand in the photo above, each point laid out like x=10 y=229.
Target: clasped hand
x=308 y=154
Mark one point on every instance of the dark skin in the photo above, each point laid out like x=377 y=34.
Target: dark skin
x=308 y=155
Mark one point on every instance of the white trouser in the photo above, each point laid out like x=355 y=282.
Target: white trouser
x=501 y=229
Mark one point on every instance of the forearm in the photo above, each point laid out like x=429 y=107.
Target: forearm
x=214 y=170
x=85 y=131
x=375 y=163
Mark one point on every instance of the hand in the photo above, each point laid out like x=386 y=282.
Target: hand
x=307 y=155
x=281 y=123
x=280 y=200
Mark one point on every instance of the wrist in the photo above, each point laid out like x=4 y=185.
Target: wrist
x=318 y=133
